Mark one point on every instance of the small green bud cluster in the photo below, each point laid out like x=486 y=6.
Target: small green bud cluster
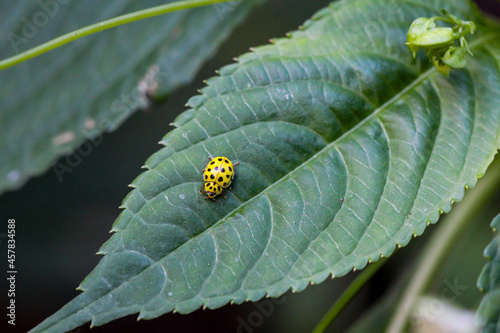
x=440 y=42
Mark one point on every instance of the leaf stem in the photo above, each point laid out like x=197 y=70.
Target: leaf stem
x=347 y=296
x=441 y=243
x=104 y=25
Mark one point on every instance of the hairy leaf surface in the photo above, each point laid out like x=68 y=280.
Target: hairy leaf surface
x=489 y=282
x=51 y=104
x=347 y=148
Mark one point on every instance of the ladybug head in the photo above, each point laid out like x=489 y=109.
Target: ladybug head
x=212 y=189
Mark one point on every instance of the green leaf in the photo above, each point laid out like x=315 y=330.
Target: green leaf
x=488 y=313
x=52 y=103
x=347 y=149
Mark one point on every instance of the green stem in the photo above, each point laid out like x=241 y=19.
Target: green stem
x=441 y=243
x=347 y=296
x=442 y=18
x=104 y=25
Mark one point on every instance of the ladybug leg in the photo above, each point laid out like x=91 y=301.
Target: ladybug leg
x=213 y=199
x=205 y=167
x=206 y=164
x=235 y=164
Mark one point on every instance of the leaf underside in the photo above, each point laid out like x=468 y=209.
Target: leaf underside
x=489 y=282
x=51 y=104
x=347 y=148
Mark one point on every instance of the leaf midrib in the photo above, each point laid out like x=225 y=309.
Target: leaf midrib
x=408 y=88
x=413 y=84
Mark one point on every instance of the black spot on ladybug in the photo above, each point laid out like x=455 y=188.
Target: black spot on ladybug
x=227 y=162
x=206 y=176
x=220 y=159
x=218 y=188
x=228 y=176
x=212 y=162
x=225 y=184
x=212 y=176
x=209 y=170
x=216 y=168
x=220 y=179
x=229 y=169
x=223 y=170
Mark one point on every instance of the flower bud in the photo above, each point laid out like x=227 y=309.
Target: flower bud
x=441 y=66
x=417 y=29
x=440 y=42
x=455 y=57
x=435 y=39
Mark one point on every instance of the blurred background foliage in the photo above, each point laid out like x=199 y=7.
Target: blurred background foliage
x=60 y=225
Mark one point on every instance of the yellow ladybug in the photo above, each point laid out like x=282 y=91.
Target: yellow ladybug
x=218 y=175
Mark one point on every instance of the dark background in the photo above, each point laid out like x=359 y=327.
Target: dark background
x=61 y=225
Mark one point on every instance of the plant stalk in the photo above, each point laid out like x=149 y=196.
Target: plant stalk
x=348 y=295
x=104 y=25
